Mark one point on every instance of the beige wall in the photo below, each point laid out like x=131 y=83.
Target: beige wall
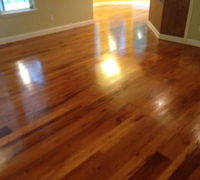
x=63 y=11
x=194 y=28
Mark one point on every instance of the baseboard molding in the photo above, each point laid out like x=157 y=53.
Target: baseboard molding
x=165 y=37
x=193 y=42
x=43 y=32
x=153 y=28
x=173 y=38
x=132 y=3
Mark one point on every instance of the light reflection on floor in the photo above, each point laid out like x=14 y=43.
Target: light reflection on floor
x=30 y=72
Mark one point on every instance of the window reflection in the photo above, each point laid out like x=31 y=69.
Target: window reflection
x=31 y=71
x=112 y=43
x=24 y=73
x=139 y=35
x=114 y=35
x=117 y=39
x=140 y=41
x=97 y=40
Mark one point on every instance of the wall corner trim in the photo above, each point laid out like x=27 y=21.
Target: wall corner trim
x=153 y=28
x=43 y=32
x=173 y=38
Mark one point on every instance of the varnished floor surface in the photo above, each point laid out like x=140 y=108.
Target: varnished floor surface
x=106 y=101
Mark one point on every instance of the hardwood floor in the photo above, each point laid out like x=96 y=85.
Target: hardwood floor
x=106 y=101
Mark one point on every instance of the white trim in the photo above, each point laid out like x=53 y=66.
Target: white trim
x=153 y=28
x=189 y=17
x=20 y=37
x=132 y=3
x=182 y=40
x=193 y=42
x=173 y=38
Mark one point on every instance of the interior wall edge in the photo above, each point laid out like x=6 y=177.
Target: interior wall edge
x=181 y=40
x=153 y=28
x=189 y=19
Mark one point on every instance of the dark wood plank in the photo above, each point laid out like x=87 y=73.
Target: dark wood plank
x=196 y=174
x=4 y=131
x=152 y=168
x=188 y=167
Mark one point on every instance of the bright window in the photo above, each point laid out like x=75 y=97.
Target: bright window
x=11 y=5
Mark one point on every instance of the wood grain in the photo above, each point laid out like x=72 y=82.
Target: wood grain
x=153 y=167
x=105 y=101
x=190 y=164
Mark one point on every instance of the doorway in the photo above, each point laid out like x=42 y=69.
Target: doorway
x=120 y=25
x=144 y=3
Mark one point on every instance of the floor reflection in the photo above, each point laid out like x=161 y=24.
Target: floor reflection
x=114 y=38
x=97 y=40
x=31 y=71
x=196 y=131
x=140 y=40
x=117 y=37
x=24 y=73
x=110 y=67
x=161 y=103
x=112 y=43
x=109 y=71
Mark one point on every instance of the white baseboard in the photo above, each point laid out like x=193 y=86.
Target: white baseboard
x=182 y=40
x=193 y=42
x=173 y=38
x=111 y=3
x=42 y=32
x=153 y=28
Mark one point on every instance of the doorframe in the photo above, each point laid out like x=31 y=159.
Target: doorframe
x=189 y=17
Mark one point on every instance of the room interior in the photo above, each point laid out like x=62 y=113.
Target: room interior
x=99 y=89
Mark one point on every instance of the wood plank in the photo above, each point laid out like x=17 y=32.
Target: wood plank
x=152 y=167
x=191 y=163
x=196 y=174
x=5 y=131
x=105 y=101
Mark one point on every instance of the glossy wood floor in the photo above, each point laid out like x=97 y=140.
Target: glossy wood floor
x=106 y=101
